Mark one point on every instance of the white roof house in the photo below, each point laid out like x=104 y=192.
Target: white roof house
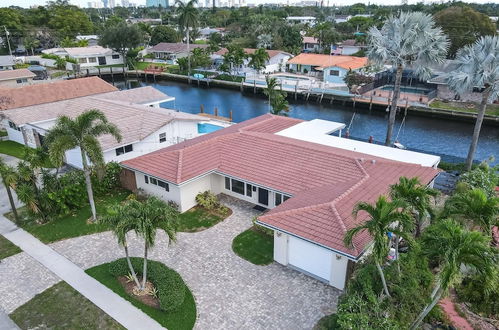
x=6 y=62
x=310 y=20
x=88 y=56
x=144 y=128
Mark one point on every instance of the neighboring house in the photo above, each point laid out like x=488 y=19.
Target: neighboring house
x=276 y=62
x=92 y=39
x=341 y=18
x=309 y=20
x=6 y=62
x=16 y=78
x=144 y=128
x=207 y=31
x=310 y=188
x=311 y=45
x=170 y=52
x=348 y=47
x=88 y=56
x=331 y=68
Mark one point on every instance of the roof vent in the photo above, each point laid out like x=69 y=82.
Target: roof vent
x=373 y=161
x=361 y=160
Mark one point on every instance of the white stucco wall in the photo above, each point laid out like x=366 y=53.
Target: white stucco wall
x=189 y=191
x=15 y=135
x=13 y=82
x=281 y=247
x=277 y=63
x=338 y=270
x=172 y=195
x=109 y=60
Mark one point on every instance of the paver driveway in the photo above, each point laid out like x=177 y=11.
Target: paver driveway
x=230 y=292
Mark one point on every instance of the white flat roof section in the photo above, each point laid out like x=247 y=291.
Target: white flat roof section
x=318 y=131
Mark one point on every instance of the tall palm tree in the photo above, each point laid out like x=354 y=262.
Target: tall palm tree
x=81 y=132
x=417 y=199
x=407 y=40
x=144 y=218
x=382 y=216
x=9 y=179
x=187 y=19
x=456 y=250
x=475 y=206
x=278 y=105
x=477 y=66
x=258 y=59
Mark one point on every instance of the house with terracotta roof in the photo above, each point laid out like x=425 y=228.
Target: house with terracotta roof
x=310 y=45
x=331 y=68
x=309 y=187
x=90 y=56
x=144 y=126
x=16 y=78
x=276 y=62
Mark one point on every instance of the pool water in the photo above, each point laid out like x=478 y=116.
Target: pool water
x=412 y=90
x=280 y=76
x=208 y=128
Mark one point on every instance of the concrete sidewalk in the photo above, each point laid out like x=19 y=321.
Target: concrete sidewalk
x=6 y=323
x=112 y=304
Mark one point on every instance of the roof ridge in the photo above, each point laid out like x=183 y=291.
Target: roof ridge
x=179 y=166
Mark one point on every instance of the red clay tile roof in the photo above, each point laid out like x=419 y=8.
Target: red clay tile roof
x=325 y=182
x=54 y=91
x=324 y=61
x=16 y=74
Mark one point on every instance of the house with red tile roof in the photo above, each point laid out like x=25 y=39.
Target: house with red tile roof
x=310 y=188
x=331 y=68
x=276 y=62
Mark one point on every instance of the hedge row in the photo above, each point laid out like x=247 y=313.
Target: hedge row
x=170 y=286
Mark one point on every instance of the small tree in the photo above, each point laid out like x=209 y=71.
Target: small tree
x=81 y=132
x=144 y=218
x=455 y=249
x=258 y=59
x=278 y=105
x=9 y=179
x=381 y=217
x=164 y=33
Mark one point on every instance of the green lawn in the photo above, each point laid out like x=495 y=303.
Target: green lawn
x=183 y=318
x=3 y=133
x=254 y=246
x=144 y=65
x=227 y=77
x=62 y=307
x=492 y=109
x=74 y=224
x=200 y=42
x=197 y=219
x=15 y=149
x=7 y=249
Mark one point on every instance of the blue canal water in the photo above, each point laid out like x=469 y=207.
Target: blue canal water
x=431 y=135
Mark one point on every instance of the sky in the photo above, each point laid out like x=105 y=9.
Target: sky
x=83 y=3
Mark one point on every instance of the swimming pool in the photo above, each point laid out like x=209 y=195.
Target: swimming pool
x=283 y=76
x=207 y=128
x=412 y=90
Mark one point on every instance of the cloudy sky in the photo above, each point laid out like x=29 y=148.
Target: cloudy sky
x=83 y=3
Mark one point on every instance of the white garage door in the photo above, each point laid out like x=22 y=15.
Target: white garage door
x=309 y=257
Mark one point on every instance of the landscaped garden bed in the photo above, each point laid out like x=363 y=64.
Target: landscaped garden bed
x=7 y=249
x=18 y=150
x=172 y=304
x=73 y=224
x=62 y=307
x=255 y=245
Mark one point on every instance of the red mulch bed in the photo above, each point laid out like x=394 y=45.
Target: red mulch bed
x=146 y=299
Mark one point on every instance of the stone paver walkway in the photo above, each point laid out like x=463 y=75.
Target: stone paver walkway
x=230 y=292
x=115 y=306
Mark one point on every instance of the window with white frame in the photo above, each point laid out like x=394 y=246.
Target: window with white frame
x=115 y=56
x=279 y=198
x=82 y=60
x=334 y=73
x=237 y=186
x=156 y=182
x=162 y=137
x=92 y=60
x=124 y=149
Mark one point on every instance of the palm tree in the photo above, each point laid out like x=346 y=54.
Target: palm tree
x=417 y=199
x=187 y=19
x=381 y=217
x=476 y=66
x=409 y=39
x=144 y=218
x=456 y=250
x=475 y=206
x=258 y=59
x=278 y=105
x=9 y=179
x=81 y=132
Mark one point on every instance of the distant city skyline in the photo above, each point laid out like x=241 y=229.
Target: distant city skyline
x=84 y=3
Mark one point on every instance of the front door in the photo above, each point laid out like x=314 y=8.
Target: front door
x=102 y=60
x=263 y=196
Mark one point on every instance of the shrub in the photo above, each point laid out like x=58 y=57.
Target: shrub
x=105 y=180
x=481 y=301
x=67 y=192
x=169 y=284
x=210 y=201
x=262 y=229
x=483 y=177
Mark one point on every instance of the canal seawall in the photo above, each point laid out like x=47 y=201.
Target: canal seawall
x=462 y=116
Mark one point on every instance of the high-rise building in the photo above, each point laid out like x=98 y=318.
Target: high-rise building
x=105 y=3
x=125 y=3
x=112 y=3
x=157 y=3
